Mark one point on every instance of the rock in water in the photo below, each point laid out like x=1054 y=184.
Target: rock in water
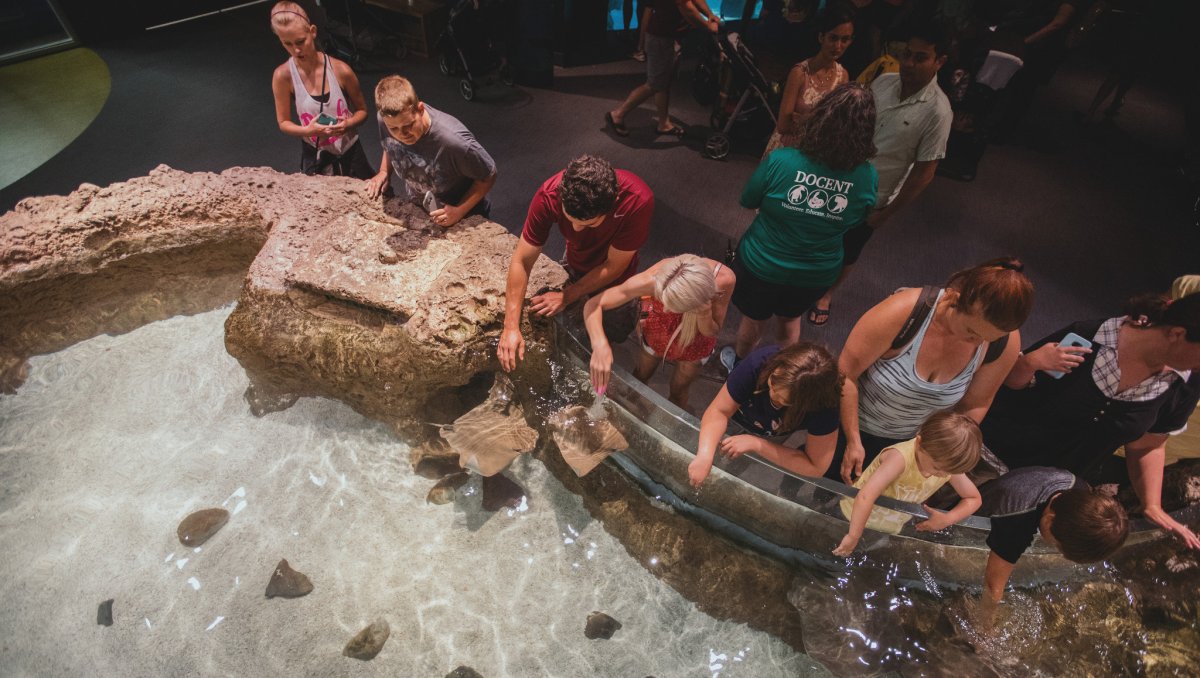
x=434 y=459
x=584 y=440
x=104 y=613
x=288 y=583
x=443 y=492
x=500 y=491
x=369 y=641
x=198 y=527
x=600 y=625
x=464 y=672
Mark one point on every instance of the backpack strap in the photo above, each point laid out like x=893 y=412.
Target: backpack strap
x=921 y=309
x=995 y=349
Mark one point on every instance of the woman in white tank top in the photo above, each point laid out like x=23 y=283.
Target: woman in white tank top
x=328 y=100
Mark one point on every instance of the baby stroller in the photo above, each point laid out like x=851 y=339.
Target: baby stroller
x=742 y=93
x=467 y=47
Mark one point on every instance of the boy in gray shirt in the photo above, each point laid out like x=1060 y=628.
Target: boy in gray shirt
x=431 y=155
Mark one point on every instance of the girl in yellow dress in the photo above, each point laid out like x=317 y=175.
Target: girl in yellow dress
x=946 y=447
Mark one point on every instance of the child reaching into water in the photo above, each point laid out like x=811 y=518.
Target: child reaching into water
x=683 y=304
x=328 y=99
x=772 y=393
x=946 y=447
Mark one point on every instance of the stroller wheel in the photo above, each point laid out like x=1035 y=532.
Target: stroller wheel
x=717 y=146
x=444 y=64
x=506 y=75
x=466 y=89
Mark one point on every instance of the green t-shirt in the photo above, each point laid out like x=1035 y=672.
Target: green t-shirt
x=804 y=209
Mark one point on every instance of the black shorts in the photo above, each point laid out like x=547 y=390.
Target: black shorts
x=352 y=163
x=758 y=299
x=853 y=242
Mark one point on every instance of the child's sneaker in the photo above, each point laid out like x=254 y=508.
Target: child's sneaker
x=638 y=55
x=729 y=359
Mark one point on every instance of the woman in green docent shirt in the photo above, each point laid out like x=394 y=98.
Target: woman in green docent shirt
x=807 y=197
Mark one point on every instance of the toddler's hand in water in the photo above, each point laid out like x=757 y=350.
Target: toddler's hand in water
x=846 y=548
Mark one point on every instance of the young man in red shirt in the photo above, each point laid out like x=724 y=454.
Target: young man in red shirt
x=604 y=215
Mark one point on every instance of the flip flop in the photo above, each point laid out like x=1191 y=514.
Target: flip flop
x=618 y=128
x=818 y=316
x=675 y=131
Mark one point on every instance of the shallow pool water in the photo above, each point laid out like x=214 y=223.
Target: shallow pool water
x=112 y=442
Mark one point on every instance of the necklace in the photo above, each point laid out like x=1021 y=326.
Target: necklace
x=822 y=84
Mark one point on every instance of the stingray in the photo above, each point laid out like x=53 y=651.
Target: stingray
x=489 y=437
x=584 y=440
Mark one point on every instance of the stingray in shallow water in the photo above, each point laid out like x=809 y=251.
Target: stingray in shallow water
x=584 y=439
x=489 y=437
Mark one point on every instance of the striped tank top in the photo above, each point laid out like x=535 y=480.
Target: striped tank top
x=893 y=401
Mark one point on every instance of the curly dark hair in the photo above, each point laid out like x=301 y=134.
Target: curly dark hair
x=841 y=130
x=809 y=374
x=588 y=188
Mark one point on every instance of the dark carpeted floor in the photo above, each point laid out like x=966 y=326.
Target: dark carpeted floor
x=1095 y=214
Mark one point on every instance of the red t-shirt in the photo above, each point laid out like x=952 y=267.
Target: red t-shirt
x=625 y=228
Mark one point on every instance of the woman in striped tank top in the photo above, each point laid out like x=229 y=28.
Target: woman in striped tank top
x=901 y=366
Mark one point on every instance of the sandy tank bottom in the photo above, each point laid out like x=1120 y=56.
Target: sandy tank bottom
x=113 y=441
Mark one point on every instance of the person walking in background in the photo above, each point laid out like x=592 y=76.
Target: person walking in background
x=327 y=97
x=668 y=22
x=914 y=119
x=807 y=197
x=810 y=80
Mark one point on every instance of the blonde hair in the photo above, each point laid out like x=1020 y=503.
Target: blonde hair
x=684 y=284
x=395 y=95
x=952 y=441
x=284 y=14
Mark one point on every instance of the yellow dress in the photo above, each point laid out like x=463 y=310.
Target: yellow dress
x=911 y=486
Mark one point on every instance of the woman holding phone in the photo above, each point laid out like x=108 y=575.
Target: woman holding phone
x=1131 y=380
x=328 y=99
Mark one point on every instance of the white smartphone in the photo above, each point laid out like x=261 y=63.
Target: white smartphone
x=430 y=203
x=1071 y=339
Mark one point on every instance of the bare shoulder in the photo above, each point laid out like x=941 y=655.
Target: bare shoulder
x=282 y=75
x=895 y=309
